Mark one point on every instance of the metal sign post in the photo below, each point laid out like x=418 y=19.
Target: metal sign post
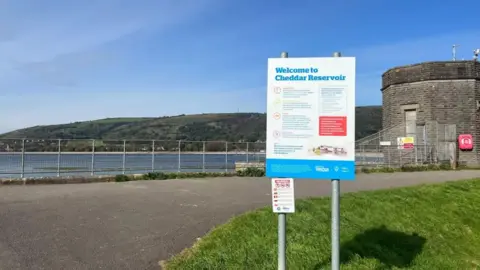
x=310 y=133
x=335 y=224
x=282 y=227
x=282 y=241
x=335 y=216
x=283 y=202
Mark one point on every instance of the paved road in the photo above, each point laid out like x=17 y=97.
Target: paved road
x=134 y=225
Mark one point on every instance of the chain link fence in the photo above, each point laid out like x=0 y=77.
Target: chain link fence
x=46 y=158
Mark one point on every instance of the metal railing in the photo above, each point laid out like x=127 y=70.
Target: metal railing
x=46 y=158
x=395 y=156
x=431 y=140
x=50 y=158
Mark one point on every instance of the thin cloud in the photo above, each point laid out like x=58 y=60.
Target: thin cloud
x=46 y=46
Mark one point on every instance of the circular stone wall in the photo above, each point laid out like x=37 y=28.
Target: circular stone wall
x=441 y=96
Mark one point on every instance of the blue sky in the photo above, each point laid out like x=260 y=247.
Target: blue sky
x=63 y=61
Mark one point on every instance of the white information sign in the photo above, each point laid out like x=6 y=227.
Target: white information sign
x=311 y=118
x=283 y=195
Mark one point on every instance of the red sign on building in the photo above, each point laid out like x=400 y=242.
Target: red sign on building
x=465 y=141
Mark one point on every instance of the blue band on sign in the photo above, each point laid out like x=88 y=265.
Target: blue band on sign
x=311 y=169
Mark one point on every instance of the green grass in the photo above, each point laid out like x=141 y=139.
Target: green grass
x=425 y=227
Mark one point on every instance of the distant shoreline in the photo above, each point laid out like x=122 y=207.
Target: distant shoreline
x=132 y=153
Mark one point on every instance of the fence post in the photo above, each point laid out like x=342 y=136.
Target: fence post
x=203 y=157
x=226 y=156
x=92 y=166
x=415 y=146
x=437 y=144
x=400 y=157
x=124 y=157
x=364 y=158
x=388 y=153
x=179 y=166
x=425 y=159
x=59 y=156
x=153 y=155
x=248 y=153
x=22 y=172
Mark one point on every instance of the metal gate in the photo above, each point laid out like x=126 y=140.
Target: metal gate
x=446 y=136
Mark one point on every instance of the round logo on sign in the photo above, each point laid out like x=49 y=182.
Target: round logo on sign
x=466 y=141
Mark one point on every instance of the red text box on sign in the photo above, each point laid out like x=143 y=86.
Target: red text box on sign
x=408 y=146
x=333 y=126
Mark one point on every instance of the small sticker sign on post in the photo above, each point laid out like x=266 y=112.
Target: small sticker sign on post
x=283 y=195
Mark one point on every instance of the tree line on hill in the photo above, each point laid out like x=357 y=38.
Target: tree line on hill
x=235 y=128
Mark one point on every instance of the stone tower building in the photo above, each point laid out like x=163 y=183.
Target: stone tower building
x=434 y=102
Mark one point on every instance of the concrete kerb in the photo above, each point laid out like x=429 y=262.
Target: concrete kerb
x=76 y=179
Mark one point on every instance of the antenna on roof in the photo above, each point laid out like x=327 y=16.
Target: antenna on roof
x=475 y=54
x=454 y=51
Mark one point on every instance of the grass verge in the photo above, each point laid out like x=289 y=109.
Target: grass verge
x=248 y=172
x=423 y=227
x=260 y=172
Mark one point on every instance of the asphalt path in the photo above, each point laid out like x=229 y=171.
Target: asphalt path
x=134 y=225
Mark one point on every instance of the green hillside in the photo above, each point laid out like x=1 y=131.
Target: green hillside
x=232 y=127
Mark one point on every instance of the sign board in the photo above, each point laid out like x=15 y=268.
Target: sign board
x=405 y=142
x=465 y=141
x=385 y=143
x=311 y=118
x=283 y=195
